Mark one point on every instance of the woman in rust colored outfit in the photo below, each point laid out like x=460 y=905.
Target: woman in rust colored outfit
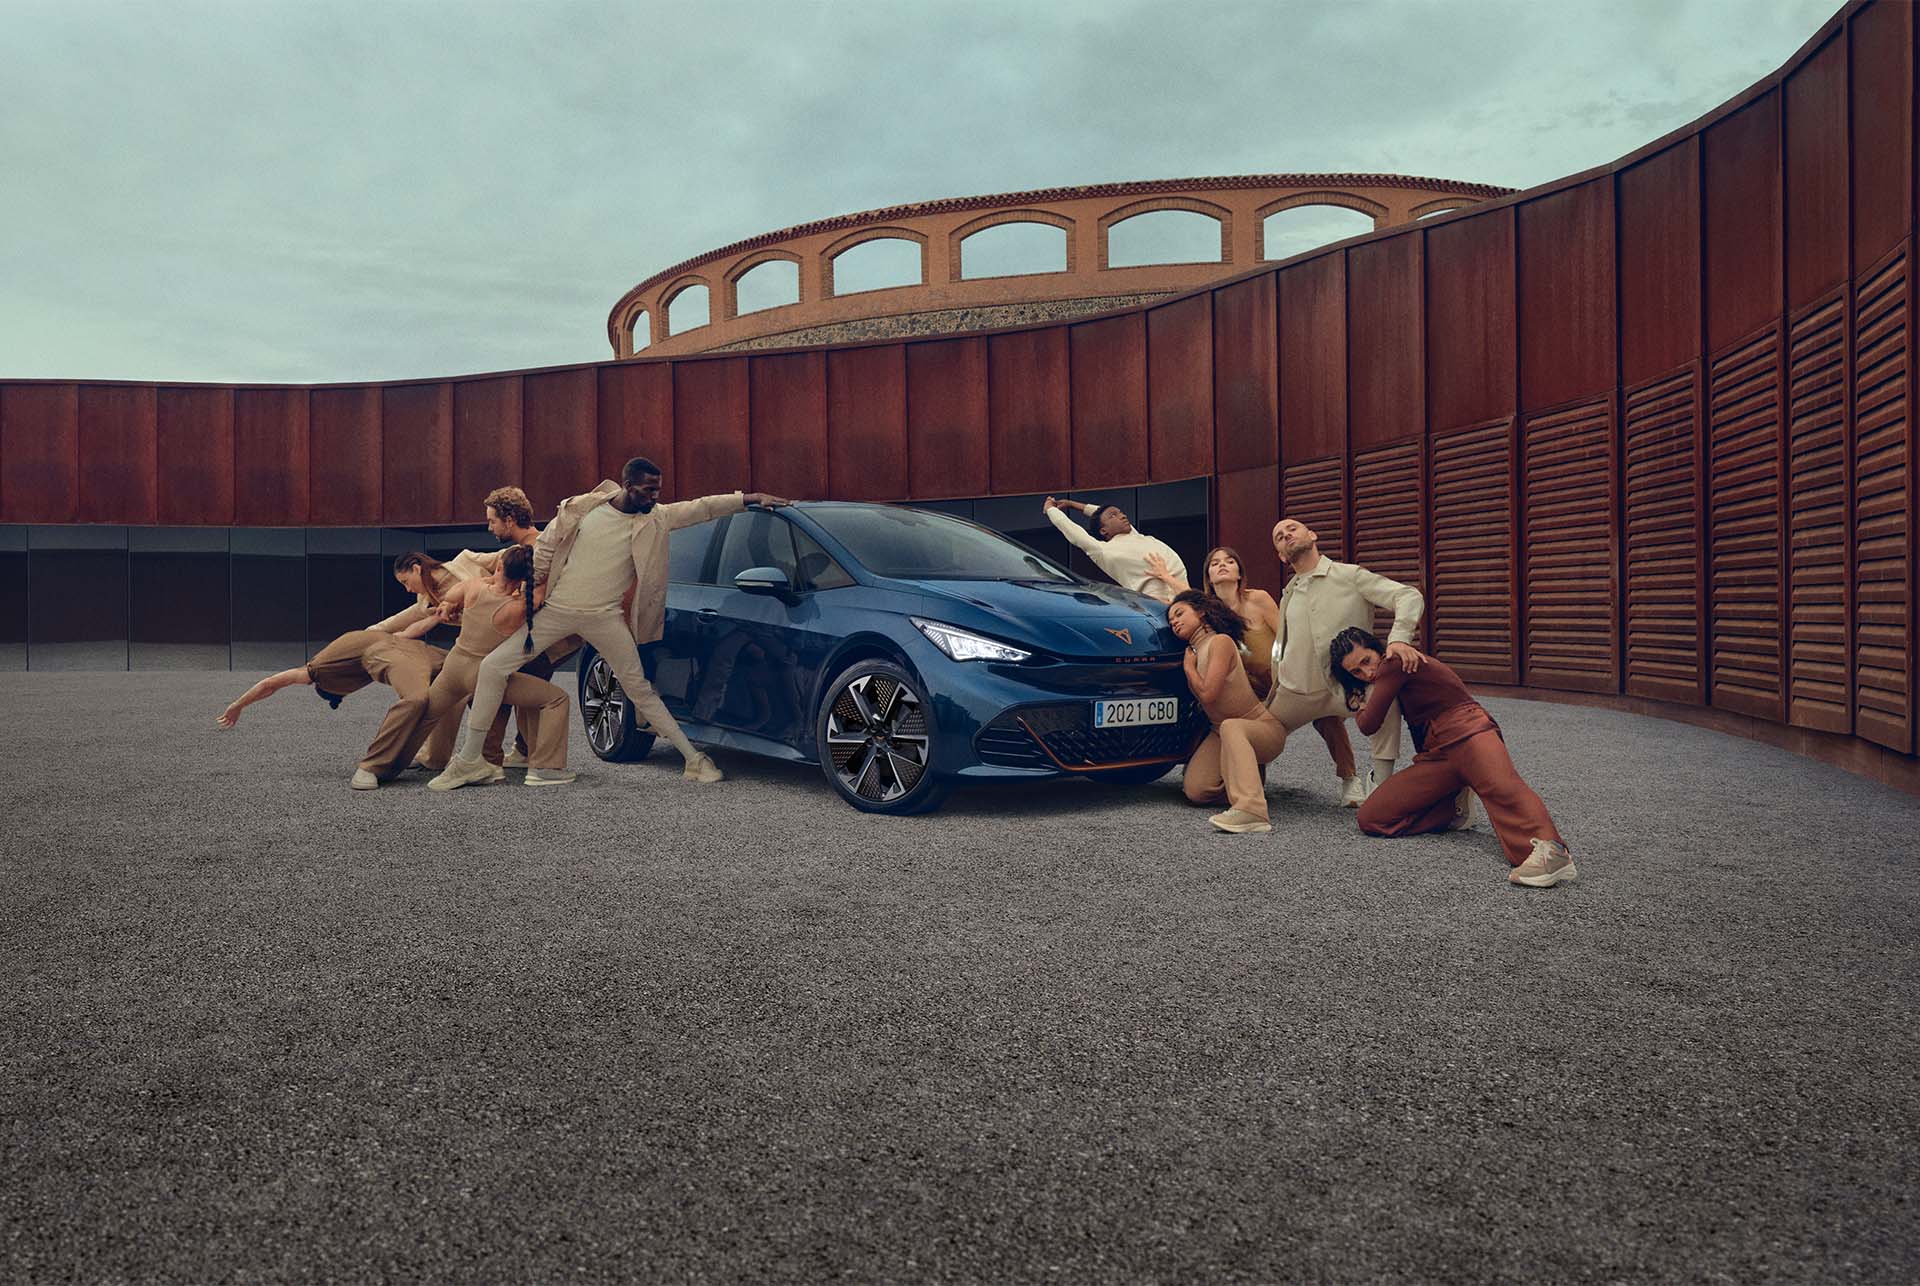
x=1460 y=754
x=1245 y=735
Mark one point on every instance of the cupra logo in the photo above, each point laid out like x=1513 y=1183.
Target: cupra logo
x=1125 y=636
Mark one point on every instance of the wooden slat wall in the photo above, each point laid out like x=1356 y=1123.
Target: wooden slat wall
x=1315 y=493
x=1743 y=526
x=1816 y=521
x=1883 y=506
x=1571 y=604
x=1389 y=517
x=1662 y=564
x=1470 y=605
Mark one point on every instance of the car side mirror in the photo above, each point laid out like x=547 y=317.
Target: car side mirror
x=763 y=580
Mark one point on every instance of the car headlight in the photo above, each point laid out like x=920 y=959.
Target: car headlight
x=962 y=646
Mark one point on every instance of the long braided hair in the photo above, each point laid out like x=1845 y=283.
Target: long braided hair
x=517 y=565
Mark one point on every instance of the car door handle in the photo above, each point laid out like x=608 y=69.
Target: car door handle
x=708 y=611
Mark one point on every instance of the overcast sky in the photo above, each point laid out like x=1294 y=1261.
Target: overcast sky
x=272 y=190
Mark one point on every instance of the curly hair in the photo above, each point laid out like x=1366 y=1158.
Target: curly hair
x=1213 y=613
x=512 y=504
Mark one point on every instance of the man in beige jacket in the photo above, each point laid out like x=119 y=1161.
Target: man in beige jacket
x=600 y=547
x=1323 y=598
x=1121 y=551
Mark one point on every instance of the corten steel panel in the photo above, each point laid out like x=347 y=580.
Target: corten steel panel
x=1572 y=603
x=710 y=429
x=789 y=432
x=1882 y=120
x=636 y=418
x=1883 y=505
x=1246 y=430
x=1566 y=295
x=1313 y=360
x=193 y=436
x=1470 y=562
x=39 y=452
x=1109 y=360
x=1314 y=492
x=486 y=446
x=117 y=441
x=1663 y=570
x=947 y=418
x=1386 y=371
x=417 y=436
x=270 y=473
x=1816 y=174
x=1389 y=518
x=1247 y=504
x=1180 y=389
x=1744 y=537
x=343 y=446
x=560 y=439
x=1742 y=241
x=1818 y=694
x=1029 y=411
x=1660 y=263
x=867 y=423
x=1470 y=340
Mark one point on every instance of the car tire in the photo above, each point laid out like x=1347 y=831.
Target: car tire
x=1136 y=776
x=874 y=733
x=607 y=714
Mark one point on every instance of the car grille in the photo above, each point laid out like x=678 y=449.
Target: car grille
x=1067 y=731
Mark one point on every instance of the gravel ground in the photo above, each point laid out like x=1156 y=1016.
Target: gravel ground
x=261 y=1027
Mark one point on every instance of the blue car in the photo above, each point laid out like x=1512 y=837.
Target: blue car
x=904 y=652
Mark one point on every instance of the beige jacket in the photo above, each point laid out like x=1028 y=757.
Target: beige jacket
x=647 y=618
x=1318 y=604
x=464 y=565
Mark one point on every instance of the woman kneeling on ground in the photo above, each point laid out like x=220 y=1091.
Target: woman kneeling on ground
x=490 y=609
x=1461 y=754
x=1245 y=735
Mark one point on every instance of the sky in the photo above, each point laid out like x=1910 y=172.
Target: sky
x=332 y=190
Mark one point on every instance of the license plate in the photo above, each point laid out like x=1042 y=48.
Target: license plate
x=1137 y=713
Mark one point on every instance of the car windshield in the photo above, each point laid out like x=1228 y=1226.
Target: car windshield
x=912 y=544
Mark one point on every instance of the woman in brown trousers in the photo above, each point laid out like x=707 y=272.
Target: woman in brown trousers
x=1246 y=735
x=1461 y=754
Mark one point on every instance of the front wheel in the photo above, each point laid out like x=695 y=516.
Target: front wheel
x=875 y=738
x=607 y=713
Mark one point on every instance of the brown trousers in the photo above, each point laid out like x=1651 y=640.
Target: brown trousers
x=1419 y=798
x=409 y=671
x=540 y=707
x=1228 y=763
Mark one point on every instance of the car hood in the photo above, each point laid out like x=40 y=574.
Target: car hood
x=1067 y=620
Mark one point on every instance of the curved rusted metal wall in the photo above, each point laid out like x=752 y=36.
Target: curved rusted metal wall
x=1644 y=434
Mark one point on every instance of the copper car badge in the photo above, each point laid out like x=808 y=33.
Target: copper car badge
x=1125 y=636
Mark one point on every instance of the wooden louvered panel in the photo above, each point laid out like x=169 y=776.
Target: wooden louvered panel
x=1571 y=611
x=1743 y=526
x=1387 y=513
x=1817 y=518
x=1883 y=605
x=1663 y=555
x=1313 y=493
x=1471 y=558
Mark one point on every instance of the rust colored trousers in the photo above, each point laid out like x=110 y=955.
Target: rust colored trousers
x=1419 y=798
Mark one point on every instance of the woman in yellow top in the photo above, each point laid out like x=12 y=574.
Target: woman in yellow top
x=1229 y=764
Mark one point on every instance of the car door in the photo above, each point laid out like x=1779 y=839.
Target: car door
x=676 y=661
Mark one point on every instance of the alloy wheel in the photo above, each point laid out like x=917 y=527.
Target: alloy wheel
x=877 y=735
x=603 y=704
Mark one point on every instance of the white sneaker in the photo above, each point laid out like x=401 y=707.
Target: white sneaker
x=466 y=772
x=1354 y=790
x=364 y=780
x=1463 y=810
x=1235 y=822
x=702 y=769
x=514 y=759
x=549 y=776
x=1549 y=864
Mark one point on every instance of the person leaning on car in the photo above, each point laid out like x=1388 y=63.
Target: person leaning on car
x=1121 y=551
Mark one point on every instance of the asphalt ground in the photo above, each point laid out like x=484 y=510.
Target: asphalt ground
x=260 y=1027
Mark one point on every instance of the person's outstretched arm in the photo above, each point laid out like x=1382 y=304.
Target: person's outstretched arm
x=261 y=691
x=412 y=614
x=1076 y=534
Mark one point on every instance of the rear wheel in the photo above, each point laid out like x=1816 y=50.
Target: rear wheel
x=607 y=713
x=875 y=738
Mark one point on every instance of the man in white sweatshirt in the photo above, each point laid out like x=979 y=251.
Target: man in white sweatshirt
x=1121 y=551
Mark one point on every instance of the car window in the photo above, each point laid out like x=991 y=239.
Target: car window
x=817 y=568
x=914 y=543
x=756 y=539
x=687 y=552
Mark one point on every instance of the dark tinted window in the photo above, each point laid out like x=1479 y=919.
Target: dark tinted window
x=756 y=539
x=911 y=544
x=817 y=568
x=687 y=552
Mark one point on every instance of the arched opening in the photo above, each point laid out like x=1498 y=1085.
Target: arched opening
x=689 y=309
x=879 y=264
x=772 y=284
x=1163 y=236
x=640 y=331
x=1288 y=232
x=1013 y=250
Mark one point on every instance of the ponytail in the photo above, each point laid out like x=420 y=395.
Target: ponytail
x=526 y=588
x=517 y=564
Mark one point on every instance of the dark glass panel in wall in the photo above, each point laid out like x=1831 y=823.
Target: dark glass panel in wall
x=13 y=598
x=344 y=591
x=77 y=598
x=1176 y=512
x=181 y=598
x=269 y=603
x=1021 y=519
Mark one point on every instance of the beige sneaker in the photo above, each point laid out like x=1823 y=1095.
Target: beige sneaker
x=364 y=780
x=514 y=759
x=466 y=772
x=1549 y=864
x=1463 y=811
x=1235 y=822
x=549 y=776
x=1354 y=791
x=702 y=769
